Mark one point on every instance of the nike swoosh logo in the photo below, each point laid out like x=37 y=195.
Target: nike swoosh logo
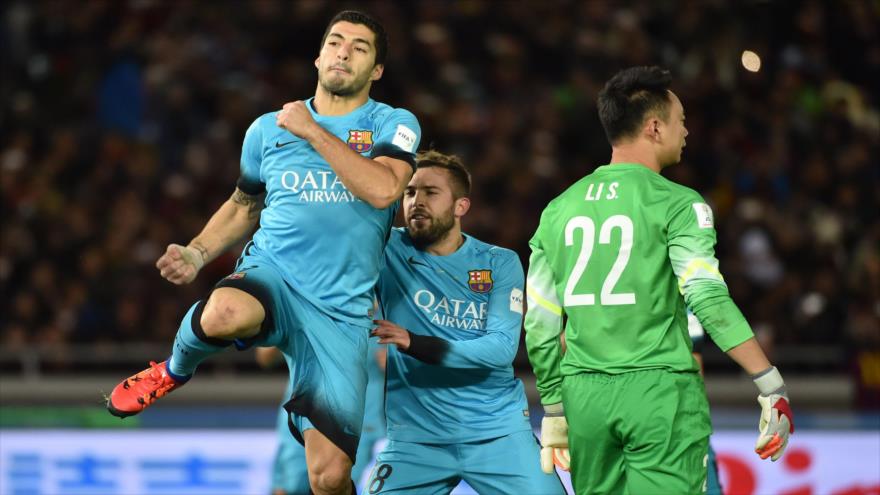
x=279 y=144
x=412 y=261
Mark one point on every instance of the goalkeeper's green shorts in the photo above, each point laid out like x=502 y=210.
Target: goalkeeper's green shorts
x=639 y=433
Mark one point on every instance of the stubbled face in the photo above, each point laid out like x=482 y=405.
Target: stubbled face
x=428 y=206
x=346 y=64
x=674 y=133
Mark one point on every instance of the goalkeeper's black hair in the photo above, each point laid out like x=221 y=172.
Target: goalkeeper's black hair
x=629 y=97
x=355 y=17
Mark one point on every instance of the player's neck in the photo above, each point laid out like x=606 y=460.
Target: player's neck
x=448 y=244
x=635 y=152
x=328 y=104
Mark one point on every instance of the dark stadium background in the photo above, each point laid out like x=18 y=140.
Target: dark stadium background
x=121 y=124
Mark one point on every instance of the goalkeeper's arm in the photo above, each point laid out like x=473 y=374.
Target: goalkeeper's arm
x=554 y=439
x=543 y=325
x=713 y=307
x=776 y=422
x=692 y=255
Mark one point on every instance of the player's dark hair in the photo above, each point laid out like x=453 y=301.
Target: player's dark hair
x=461 y=178
x=356 y=17
x=629 y=97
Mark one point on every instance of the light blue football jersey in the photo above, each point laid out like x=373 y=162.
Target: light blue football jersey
x=374 y=407
x=472 y=299
x=326 y=242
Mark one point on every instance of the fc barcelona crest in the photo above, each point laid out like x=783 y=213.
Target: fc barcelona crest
x=360 y=141
x=480 y=280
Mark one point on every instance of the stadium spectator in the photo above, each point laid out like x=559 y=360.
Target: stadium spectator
x=113 y=113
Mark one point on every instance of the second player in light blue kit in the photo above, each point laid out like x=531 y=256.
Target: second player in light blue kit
x=453 y=308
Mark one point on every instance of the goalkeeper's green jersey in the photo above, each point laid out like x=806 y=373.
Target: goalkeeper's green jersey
x=617 y=256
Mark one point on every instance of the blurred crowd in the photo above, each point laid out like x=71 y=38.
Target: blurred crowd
x=121 y=126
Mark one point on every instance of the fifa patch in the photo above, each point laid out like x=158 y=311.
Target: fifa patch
x=360 y=141
x=404 y=138
x=480 y=280
x=235 y=276
x=704 y=215
x=516 y=300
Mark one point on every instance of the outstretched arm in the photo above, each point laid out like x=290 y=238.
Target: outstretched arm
x=234 y=219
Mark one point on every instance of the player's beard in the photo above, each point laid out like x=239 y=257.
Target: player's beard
x=437 y=227
x=338 y=86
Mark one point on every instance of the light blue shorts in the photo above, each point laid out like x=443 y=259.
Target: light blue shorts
x=326 y=357
x=289 y=471
x=713 y=483
x=508 y=464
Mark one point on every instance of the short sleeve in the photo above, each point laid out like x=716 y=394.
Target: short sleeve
x=249 y=180
x=398 y=137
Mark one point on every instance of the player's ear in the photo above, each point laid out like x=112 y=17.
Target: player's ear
x=652 y=129
x=318 y=62
x=378 y=69
x=462 y=205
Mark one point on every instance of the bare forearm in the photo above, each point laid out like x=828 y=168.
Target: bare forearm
x=235 y=219
x=750 y=356
x=367 y=179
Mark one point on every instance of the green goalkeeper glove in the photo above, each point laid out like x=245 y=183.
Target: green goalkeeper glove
x=554 y=439
x=777 y=421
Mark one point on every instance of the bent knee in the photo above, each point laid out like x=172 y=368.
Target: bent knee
x=229 y=315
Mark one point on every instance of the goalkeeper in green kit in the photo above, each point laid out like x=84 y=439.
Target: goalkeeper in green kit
x=617 y=257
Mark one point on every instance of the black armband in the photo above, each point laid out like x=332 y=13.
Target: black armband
x=427 y=349
x=391 y=151
x=251 y=187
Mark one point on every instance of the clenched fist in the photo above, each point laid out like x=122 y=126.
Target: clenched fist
x=296 y=118
x=180 y=264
